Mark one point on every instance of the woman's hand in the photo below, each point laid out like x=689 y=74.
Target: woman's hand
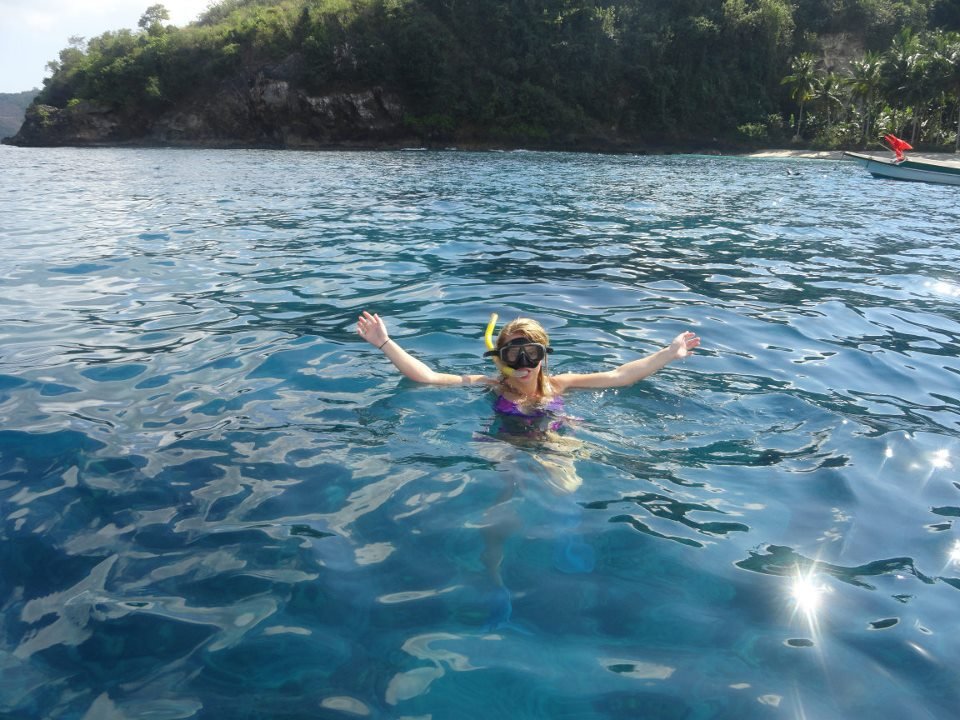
x=372 y=329
x=682 y=344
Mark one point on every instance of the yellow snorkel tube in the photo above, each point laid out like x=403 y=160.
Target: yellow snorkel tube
x=488 y=339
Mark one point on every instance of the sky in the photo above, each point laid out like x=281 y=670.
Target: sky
x=33 y=32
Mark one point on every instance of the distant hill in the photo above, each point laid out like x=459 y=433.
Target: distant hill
x=570 y=74
x=13 y=106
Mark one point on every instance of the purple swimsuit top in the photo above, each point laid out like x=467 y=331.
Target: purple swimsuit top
x=509 y=407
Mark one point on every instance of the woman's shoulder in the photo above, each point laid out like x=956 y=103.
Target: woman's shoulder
x=559 y=384
x=486 y=380
x=575 y=381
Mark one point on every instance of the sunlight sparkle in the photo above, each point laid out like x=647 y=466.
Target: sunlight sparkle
x=941 y=460
x=807 y=594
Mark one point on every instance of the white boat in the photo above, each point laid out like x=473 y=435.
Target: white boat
x=928 y=171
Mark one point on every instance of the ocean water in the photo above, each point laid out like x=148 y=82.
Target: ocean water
x=217 y=502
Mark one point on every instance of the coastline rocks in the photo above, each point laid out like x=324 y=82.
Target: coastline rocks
x=81 y=123
x=266 y=110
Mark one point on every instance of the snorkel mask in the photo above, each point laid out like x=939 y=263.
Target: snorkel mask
x=518 y=353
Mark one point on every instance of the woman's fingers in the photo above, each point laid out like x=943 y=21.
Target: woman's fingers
x=371 y=328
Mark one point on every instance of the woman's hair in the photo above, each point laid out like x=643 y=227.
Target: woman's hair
x=534 y=332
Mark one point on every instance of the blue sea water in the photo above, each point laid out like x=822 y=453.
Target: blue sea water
x=217 y=502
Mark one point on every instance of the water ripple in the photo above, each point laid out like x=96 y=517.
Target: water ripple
x=217 y=502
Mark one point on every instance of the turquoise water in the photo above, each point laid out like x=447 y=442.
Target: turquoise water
x=218 y=503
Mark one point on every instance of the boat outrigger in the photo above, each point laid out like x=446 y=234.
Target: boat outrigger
x=902 y=168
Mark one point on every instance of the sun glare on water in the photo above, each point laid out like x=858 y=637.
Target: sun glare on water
x=808 y=595
x=940 y=460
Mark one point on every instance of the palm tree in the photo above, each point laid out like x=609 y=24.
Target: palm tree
x=802 y=80
x=828 y=91
x=947 y=61
x=904 y=67
x=865 y=82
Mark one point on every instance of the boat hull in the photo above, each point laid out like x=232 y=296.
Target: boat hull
x=927 y=171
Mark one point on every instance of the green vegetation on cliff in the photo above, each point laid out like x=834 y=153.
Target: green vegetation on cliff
x=546 y=71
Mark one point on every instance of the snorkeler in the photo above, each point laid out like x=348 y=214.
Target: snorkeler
x=531 y=400
x=520 y=354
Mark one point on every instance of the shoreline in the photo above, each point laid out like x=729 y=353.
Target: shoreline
x=805 y=154
x=359 y=146
x=838 y=154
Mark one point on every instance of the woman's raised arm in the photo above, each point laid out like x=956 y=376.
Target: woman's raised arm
x=374 y=330
x=631 y=372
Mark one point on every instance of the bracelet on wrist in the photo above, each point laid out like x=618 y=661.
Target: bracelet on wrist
x=383 y=343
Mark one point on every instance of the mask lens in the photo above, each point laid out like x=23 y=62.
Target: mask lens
x=522 y=355
x=534 y=352
x=510 y=354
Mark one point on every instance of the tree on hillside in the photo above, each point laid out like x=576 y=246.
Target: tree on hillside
x=153 y=18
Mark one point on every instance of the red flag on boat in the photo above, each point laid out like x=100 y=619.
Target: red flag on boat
x=897 y=145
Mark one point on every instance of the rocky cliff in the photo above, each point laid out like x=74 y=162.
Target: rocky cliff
x=258 y=110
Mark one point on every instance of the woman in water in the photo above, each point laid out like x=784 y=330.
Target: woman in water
x=530 y=399
x=525 y=387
